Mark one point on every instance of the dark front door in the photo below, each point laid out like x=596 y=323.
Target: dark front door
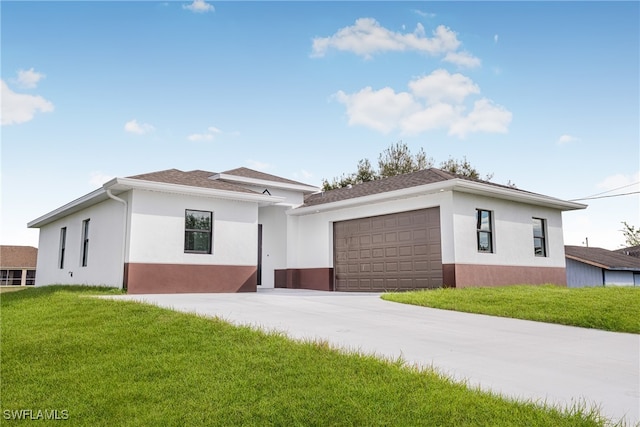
x=259 y=254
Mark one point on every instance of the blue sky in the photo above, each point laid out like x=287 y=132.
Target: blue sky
x=542 y=94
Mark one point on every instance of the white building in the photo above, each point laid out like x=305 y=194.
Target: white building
x=198 y=231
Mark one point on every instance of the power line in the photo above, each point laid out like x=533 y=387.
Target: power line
x=609 y=191
x=604 y=197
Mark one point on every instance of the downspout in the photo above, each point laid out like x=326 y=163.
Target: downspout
x=124 y=233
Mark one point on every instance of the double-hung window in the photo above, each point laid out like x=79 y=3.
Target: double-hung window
x=484 y=230
x=539 y=237
x=85 y=243
x=63 y=246
x=198 y=231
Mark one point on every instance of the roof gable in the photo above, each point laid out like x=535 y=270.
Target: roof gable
x=254 y=174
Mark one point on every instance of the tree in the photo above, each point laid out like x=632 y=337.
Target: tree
x=463 y=167
x=631 y=234
x=398 y=160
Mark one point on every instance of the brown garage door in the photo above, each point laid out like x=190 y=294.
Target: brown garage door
x=390 y=252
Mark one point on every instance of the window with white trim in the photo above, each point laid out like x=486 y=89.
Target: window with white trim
x=198 y=231
x=85 y=243
x=63 y=245
x=540 y=237
x=484 y=230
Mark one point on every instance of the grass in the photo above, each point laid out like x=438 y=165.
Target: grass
x=128 y=364
x=5 y=289
x=607 y=308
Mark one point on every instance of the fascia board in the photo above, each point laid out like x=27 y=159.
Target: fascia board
x=263 y=182
x=515 y=195
x=85 y=201
x=127 y=183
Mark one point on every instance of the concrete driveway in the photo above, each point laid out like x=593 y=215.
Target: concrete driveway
x=536 y=361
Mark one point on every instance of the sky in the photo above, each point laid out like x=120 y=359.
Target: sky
x=543 y=95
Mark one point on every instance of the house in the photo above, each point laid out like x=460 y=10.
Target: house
x=198 y=231
x=18 y=265
x=631 y=251
x=588 y=267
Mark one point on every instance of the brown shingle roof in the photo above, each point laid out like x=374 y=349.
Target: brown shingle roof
x=631 y=251
x=250 y=173
x=413 y=179
x=195 y=178
x=18 y=257
x=603 y=258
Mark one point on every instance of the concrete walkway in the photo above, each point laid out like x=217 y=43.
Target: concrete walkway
x=556 y=364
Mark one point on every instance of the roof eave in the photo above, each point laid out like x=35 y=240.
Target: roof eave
x=120 y=185
x=516 y=195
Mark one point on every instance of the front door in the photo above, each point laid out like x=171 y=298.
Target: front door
x=259 y=279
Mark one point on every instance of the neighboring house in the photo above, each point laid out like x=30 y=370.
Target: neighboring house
x=600 y=267
x=174 y=231
x=633 y=251
x=18 y=265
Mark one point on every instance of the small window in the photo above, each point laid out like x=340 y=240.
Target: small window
x=539 y=237
x=31 y=277
x=63 y=244
x=85 y=242
x=198 y=226
x=484 y=230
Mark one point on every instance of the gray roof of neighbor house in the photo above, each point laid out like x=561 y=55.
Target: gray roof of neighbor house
x=631 y=251
x=414 y=179
x=18 y=256
x=603 y=258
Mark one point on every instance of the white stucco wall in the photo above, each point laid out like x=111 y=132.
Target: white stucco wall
x=274 y=242
x=512 y=233
x=310 y=237
x=104 y=266
x=157 y=229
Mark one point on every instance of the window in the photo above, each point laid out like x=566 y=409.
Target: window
x=31 y=278
x=484 y=229
x=198 y=231
x=539 y=237
x=63 y=244
x=85 y=242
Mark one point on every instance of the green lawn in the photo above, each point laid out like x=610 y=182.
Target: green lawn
x=117 y=363
x=611 y=308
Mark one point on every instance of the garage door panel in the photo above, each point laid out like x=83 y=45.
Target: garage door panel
x=398 y=251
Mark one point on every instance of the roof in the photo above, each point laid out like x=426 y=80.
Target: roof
x=195 y=178
x=250 y=173
x=602 y=258
x=18 y=256
x=231 y=185
x=432 y=176
x=631 y=251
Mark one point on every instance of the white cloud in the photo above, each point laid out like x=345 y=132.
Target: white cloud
x=133 y=126
x=381 y=110
x=209 y=135
x=620 y=180
x=200 y=137
x=440 y=85
x=97 y=178
x=436 y=101
x=424 y=14
x=29 y=79
x=367 y=37
x=566 y=139
x=18 y=107
x=199 y=6
x=485 y=117
x=495 y=38
x=463 y=59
